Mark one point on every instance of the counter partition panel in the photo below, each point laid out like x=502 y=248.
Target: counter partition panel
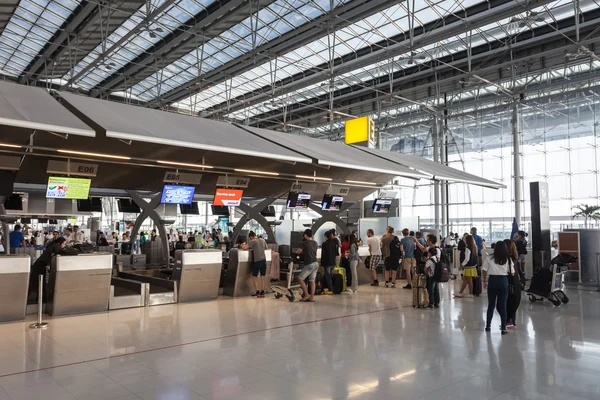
x=238 y=281
x=14 y=282
x=79 y=284
x=198 y=273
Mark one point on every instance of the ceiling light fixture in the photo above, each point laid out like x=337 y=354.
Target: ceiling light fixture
x=84 y=153
x=318 y=178
x=14 y=146
x=184 y=164
x=361 y=182
x=251 y=171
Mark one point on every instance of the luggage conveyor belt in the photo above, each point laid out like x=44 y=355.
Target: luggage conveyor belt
x=160 y=291
x=128 y=293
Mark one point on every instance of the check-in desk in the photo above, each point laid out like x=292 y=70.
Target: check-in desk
x=238 y=281
x=79 y=283
x=14 y=283
x=198 y=273
x=161 y=290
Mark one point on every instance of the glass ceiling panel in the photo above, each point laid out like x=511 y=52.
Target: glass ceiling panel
x=147 y=34
x=498 y=30
x=370 y=30
x=31 y=26
x=270 y=22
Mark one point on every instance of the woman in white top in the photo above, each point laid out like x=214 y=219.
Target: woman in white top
x=468 y=266
x=497 y=267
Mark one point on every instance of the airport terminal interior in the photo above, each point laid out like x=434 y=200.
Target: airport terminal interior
x=299 y=199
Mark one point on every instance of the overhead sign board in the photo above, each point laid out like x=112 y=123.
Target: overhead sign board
x=233 y=181
x=10 y=163
x=338 y=190
x=60 y=187
x=360 y=131
x=387 y=194
x=302 y=187
x=71 y=168
x=182 y=177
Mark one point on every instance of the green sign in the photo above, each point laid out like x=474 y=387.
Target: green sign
x=68 y=188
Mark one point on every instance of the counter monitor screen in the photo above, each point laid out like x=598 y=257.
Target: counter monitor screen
x=382 y=206
x=42 y=220
x=189 y=209
x=220 y=210
x=298 y=200
x=93 y=204
x=128 y=206
x=60 y=187
x=7 y=182
x=268 y=212
x=25 y=220
x=172 y=194
x=53 y=221
x=332 y=203
x=228 y=197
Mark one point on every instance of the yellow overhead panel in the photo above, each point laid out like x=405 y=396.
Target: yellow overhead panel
x=360 y=131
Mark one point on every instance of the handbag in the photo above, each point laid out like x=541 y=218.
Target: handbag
x=368 y=262
x=511 y=283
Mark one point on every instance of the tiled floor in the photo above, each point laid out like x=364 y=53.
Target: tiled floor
x=371 y=345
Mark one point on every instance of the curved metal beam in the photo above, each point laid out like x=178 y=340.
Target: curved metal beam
x=149 y=211
x=331 y=216
x=253 y=213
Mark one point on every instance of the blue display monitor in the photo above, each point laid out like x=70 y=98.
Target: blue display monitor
x=172 y=194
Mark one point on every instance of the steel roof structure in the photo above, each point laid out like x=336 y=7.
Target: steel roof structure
x=306 y=66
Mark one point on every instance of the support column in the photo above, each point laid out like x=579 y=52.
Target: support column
x=436 y=184
x=331 y=216
x=444 y=184
x=517 y=132
x=148 y=210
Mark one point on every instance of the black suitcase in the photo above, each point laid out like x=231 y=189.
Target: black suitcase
x=477 y=286
x=338 y=283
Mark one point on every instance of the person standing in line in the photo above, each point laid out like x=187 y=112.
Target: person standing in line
x=69 y=235
x=514 y=287
x=354 y=259
x=497 y=269
x=480 y=245
x=468 y=267
x=449 y=240
x=77 y=235
x=259 y=264
x=421 y=239
x=433 y=288
x=329 y=251
x=16 y=237
x=386 y=240
x=521 y=244
x=345 y=248
x=308 y=249
x=409 y=263
x=375 y=252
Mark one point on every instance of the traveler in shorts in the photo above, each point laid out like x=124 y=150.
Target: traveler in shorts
x=375 y=253
x=259 y=263
x=329 y=252
x=409 y=263
x=385 y=253
x=308 y=249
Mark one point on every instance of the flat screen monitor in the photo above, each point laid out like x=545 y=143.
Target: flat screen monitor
x=268 y=212
x=7 y=182
x=14 y=202
x=127 y=206
x=60 y=187
x=382 y=206
x=93 y=204
x=298 y=200
x=172 y=194
x=220 y=210
x=53 y=222
x=25 y=220
x=228 y=197
x=42 y=220
x=332 y=203
x=189 y=209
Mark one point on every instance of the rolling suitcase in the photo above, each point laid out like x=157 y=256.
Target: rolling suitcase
x=477 y=286
x=420 y=295
x=339 y=280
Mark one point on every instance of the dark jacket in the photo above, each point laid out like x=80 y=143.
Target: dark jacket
x=329 y=252
x=521 y=246
x=462 y=246
x=51 y=250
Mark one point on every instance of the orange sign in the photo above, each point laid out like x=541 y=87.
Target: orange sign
x=228 y=197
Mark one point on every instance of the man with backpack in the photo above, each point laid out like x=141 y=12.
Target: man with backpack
x=432 y=284
x=390 y=263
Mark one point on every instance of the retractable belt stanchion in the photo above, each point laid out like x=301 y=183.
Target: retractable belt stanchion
x=39 y=324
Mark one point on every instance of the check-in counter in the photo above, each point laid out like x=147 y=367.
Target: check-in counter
x=127 y=293
x=14 y=283
x=238 y=281
x=79 y=283
x=161 y=290
x=364 y=273
x=198 y=273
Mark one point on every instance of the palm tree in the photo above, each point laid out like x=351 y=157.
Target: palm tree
x=587 y=211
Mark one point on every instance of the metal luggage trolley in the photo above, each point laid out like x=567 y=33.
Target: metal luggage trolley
x=556 y=294
x=290 y=291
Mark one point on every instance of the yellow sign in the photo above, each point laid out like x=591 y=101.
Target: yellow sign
x=68 y=188
x=360 y=130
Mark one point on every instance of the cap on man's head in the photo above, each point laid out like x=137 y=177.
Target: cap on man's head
x=308 y=233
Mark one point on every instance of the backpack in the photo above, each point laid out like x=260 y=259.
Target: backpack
x=441 y=272
x=444 y=259
x=395 y=248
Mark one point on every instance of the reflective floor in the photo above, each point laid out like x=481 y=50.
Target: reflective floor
x=370 y=345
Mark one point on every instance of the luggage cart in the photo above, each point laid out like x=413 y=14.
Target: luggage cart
x=290 y=291
x=555 y=294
